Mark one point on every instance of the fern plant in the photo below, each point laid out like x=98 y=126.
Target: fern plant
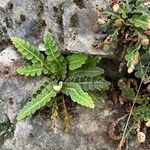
x=127 y=27
x=76 y=75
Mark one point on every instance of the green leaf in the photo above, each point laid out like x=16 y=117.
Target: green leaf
x=97 y=98
x=110 y=14
x=55 y=58
x=77 y=94
x=140 y=20
x=129 y=56
x=141 y=67
x=27 y=50
x=85 y=72
x=127 y=92
x=92 y=61
x=141 y=113
x=139 y=2
x=32 y=70
x=92 y=84
x=89 y=69
x=139 y=73
x=124 y=9
x=37 y=102
x=76 y=60
x=30 y=52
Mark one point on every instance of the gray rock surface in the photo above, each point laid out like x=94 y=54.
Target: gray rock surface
x=88 y=132
x=8 y=56
x=3 y=4
x=70 y=21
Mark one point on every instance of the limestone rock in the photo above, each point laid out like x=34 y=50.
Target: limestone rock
x=8 y=56
x=3 y=3
x=70 y=22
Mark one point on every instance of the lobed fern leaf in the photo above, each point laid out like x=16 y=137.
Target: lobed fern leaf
x=37 y=102
x=92 y=84
x=76 y=60
x=32 y=70
x=30 y=52
x=141 y=112
x=127 y=92
x=97 y=98
x=77 y=94
x=92 y=61
x=54 y=56
x=86 y=72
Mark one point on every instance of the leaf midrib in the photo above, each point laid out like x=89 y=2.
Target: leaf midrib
x=71 y=89
x=78 y=61
x=140 y=21
x=90 y=71
x=31 y=70
x=28 y=110
x=49 y=45
x=42 y=62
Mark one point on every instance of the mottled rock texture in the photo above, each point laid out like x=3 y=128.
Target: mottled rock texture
x=70 y=21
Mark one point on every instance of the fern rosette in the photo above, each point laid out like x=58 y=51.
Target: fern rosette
x=75 y=75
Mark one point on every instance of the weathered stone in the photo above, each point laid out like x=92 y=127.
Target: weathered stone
x=8 y=56
x=78 y=20
x=4 y=37
x=88 y=133
x=70 y=22
x=3 y=3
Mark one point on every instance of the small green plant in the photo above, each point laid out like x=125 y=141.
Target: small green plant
x=75 y=75
x=127 y=27
x=140 y=114
x=141 y=110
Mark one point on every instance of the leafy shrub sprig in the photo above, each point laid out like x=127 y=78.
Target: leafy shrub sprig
x=127 y=27
x=76 y=75
x=141 y=111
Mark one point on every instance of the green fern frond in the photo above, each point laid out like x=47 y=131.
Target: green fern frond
x=64 y=71
x=97 y=98
x=89 y=69
x=76 y=60
x=30 y=52
x=77 y=94
x=27 y=50
x=92 y=61
x=32 y=70
x=54 y=56
x=85 y=72
x=37 y=102
x=92 y=84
